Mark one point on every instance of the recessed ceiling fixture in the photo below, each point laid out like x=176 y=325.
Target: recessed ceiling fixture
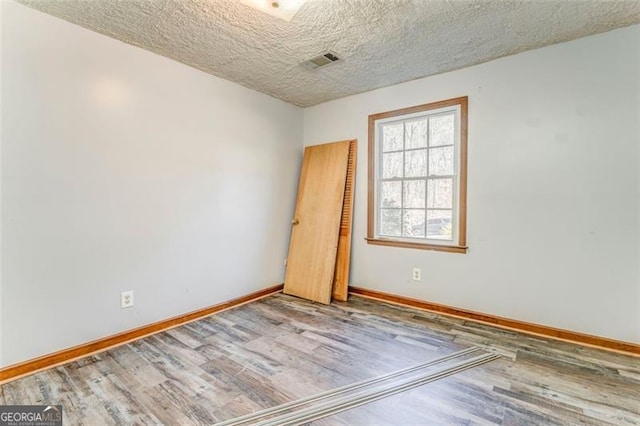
x=326 y=58
x=283 y=9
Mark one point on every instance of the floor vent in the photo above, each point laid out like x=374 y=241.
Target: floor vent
x=321 y=60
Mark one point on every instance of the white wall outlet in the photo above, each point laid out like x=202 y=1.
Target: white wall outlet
x=126 y=299
x=417 y=274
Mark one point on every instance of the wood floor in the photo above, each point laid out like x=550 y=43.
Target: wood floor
x=282 y=348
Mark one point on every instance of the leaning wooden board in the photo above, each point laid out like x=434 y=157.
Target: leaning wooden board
x=316 y=224
x=343 y=259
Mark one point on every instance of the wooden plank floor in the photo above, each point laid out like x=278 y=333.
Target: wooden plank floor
x=282 y=348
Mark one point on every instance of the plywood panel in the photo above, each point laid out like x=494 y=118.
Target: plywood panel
x=316 y=224
x=343 y=259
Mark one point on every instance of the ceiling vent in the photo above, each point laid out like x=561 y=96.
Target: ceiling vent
x=321 y=60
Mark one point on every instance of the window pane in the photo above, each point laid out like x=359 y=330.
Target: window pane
x=441 y=130
x=414 y=194
x=390 y=195
x=392 y=137
x=390 y=222
x=416 y=163
x=413 y=223
x=439 y=224
x=441 y=161
x=440 y=194
x=416 y=176
x=416 y=133
x=392 y=165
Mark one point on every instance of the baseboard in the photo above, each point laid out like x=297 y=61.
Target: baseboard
x=25 y=368
x=506 y=323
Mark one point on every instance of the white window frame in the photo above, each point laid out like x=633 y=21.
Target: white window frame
x=457 y=243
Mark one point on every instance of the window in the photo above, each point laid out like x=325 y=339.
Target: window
x=417 y=177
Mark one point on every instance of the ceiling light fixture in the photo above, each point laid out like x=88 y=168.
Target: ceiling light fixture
x=283 y=9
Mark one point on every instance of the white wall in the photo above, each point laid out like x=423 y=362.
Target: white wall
x=1 y=91
x=553 y=187
x=124 y=170
x=637 y=58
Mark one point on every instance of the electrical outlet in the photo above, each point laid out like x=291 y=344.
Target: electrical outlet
x=126 y=299
x=417 y=274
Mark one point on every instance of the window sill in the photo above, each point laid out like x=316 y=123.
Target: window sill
x=420 y=246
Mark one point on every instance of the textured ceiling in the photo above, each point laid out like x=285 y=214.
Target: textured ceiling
x=383 y=42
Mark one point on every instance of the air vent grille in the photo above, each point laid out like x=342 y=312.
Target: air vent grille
x=322 y=60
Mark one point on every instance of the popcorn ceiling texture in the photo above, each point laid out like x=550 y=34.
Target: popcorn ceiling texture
x=382 y=42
